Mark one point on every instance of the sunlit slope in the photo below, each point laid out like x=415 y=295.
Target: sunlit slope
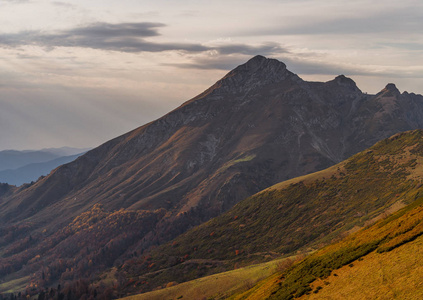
x=383 y=261
x=217 y=286
x=302 y=214
x=392 y=275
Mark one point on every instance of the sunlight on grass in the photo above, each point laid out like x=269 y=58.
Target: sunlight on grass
x=218 y=286
x=390 y=275
x=14 y=286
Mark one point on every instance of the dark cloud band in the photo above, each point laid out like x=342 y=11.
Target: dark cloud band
x=124 y=37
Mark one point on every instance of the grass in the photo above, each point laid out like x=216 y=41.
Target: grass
x=390 y=275
x=236 y=161
x=218 y=286
x=261 y=290
x=14 y=286
x=390 y=246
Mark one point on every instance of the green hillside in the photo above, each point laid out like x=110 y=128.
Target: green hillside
x=217 y=286
x=302 y=214
x=391 y=275
x=383 y=261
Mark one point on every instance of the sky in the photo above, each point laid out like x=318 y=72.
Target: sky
x=78 y=73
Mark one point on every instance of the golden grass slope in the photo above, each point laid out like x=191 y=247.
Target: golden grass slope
x=13 y=286
x=384 y=261
x=390 y=275
x=218 y=286
x=390 y=269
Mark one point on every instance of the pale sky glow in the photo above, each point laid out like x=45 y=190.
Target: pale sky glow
x=77 y=73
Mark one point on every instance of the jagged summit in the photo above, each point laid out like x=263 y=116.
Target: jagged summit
x=260 y=64
x=392 y=87
x=256 y=72
x=345 y=80
x=260 y=61
x=345 y=84
x=342 y=80
x=390 y=90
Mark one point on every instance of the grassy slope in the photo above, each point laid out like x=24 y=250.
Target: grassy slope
x=391 y=275
x=383 y=261
x=13 y=286
x=218 y=286
x=304 y=213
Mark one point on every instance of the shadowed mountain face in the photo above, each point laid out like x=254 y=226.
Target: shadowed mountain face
x=259 y=125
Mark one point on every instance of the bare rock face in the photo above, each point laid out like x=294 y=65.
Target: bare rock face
x=258 y=125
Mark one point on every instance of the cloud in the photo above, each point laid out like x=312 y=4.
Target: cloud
x=312 y=67
x=299 y=66
x=127 y=37
x=112 y=31
x=124 y=37
x=391 y=21
x=62 y=4
x=211 y=63
x=228 y=56
x=264 y=49
x=400 y=45
x=303 y=64
x=16 y=1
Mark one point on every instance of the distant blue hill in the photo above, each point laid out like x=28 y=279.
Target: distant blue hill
x=14 y=159
x=32 y=171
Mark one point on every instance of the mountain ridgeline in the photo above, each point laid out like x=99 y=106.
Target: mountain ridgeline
x=257 y=126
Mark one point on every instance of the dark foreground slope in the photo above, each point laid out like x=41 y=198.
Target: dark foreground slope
x=301 y=214
x=259 y=125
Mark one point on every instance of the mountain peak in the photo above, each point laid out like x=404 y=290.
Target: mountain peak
x=391 y=87
x=253 y=74
x=256 y=72
x=390 y=90
x=344 y=81
x=257 y=58
x=260 y=62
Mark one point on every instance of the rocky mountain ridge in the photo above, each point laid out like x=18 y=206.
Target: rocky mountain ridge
x=259 y=116
x=259 y=125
